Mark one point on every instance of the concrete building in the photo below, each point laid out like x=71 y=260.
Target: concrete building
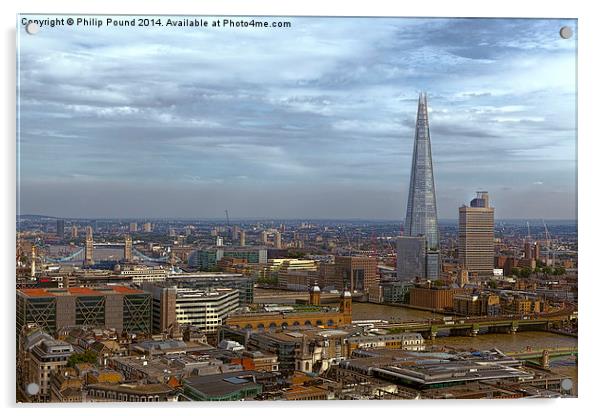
x=394 y=292
x=306 y=350
x=477 y=304
x=206 y=259
x=127 y=249
x=89 y=247
x=128 y=392
x=46 y=357
x=277 y=239
x=205 y=309
x=133 y=227
x=405 y=341
x=411 y=258
x=118 y=307
x=140 y=274
x=291 y=273
x=298 y=280
x=147 y=227
x=203 y=281
x=356 y=274
x=475 y=236
x=74 y=232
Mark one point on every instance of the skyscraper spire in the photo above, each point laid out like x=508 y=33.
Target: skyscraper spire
x=421 y=213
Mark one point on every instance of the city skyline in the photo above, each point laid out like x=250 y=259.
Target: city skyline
x=333 y=122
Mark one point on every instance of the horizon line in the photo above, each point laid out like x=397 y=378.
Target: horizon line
x=277 y=218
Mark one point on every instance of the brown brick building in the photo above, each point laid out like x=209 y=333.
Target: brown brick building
x=356 y=274
x=434 y=297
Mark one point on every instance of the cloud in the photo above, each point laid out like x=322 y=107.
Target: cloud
x=317 y=103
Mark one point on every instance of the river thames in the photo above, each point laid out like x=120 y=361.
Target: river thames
x=517 y=342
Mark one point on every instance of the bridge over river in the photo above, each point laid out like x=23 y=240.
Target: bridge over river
x=472 y=326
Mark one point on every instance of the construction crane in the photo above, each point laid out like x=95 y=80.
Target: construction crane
x=548 y=244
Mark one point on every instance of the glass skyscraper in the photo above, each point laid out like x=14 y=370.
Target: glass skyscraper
x=421 y=214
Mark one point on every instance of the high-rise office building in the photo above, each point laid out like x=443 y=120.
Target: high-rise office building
x=147 y=227
x=475 y=239
x=60 y=228
x=133 y=227
x=411 y=261
x=74 y=233
x=242 y=238
x=421 y=213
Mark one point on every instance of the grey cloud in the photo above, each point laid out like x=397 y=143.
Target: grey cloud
x=318 y=104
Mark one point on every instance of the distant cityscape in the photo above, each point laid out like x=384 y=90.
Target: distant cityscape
x=145 y=310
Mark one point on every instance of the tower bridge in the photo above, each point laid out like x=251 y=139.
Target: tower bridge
x=86 y=253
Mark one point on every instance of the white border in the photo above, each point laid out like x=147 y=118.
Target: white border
x=590 y=235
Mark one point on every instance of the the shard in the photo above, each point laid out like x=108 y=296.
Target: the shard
x=421 y=214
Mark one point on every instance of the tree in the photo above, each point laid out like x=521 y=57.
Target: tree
x=515 y=271
x=83 y=357
x=559 y=271
x=525 y=272
x=493 y=284
x=547 y=270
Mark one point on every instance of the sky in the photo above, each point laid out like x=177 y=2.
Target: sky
x=312 y=121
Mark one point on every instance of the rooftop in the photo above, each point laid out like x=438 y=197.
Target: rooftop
x=78 y=291
x=222 y=384
x=156 y=388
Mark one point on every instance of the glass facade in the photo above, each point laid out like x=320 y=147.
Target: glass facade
x=410 y=258
x=433 y=265
x=421 y=213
